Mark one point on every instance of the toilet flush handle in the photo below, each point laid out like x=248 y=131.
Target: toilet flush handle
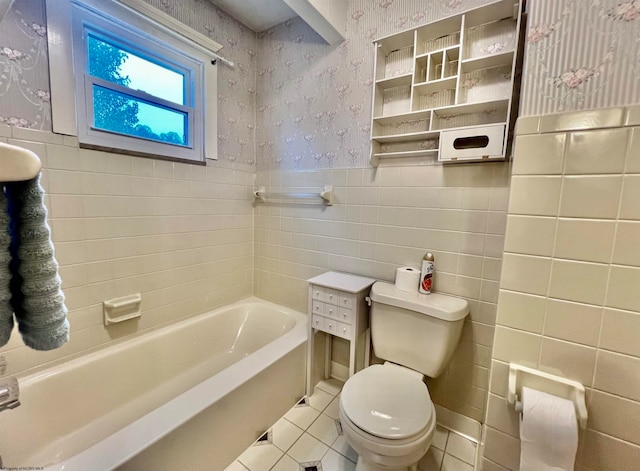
x=368 y=300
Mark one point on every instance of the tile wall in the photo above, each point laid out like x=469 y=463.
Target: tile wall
x=389 y=217
x=180 y=234
x=568 y=302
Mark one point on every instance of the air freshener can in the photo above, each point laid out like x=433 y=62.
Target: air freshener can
x=426 y=277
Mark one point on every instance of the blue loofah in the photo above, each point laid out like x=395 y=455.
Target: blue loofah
x=36 y=298
x=6 y=311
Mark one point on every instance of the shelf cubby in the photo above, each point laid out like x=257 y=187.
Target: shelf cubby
x=440 y=35
x=448 y=78
x=394 y=81
x=395 y=57
x=489 y=39
x=485 y=85
x=384 y=130
x=450 y=65
x=487 y=62
x=419 y=148
x=434 y=94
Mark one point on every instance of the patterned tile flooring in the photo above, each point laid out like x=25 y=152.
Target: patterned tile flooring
x=309 y=438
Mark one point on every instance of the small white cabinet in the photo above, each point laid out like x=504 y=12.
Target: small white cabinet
x=337 y=307
x=449 y=88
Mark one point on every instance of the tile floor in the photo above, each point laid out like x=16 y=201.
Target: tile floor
x=309 y=438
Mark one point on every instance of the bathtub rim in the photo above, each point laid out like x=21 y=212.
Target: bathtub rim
x=125 y=443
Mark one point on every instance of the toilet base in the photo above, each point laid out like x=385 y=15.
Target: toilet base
x=362 y=466
x=376 y=454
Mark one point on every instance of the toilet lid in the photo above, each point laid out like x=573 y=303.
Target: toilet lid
x=387 y=401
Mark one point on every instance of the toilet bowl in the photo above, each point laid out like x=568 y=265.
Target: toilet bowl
x=387 y=417
x=386 y=412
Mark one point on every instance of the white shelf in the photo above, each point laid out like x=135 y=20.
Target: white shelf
x=488 y=61
x=470 y=108
x=404 y=79
x=443 y=49
x=462 y=81
x=407 y=137
x=406 y=153
x=398 y=118
x=435 y=85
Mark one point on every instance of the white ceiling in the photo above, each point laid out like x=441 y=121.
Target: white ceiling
x=257 y=14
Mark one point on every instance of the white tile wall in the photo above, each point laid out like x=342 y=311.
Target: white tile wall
x=568 y=299
x=389 y=217
x=180 y=234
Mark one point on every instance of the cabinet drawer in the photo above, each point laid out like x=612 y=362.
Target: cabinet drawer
x=331 y=296
x=346 y=300
x=331 y=311
x=344 y=330
x=331 y=326
x=317 y=293
x=317 y=322
x=317 y=307
x=345 y=315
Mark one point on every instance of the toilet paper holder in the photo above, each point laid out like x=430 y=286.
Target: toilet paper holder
x=520 y=376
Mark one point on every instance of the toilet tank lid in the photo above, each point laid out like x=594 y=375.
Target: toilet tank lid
x=436 y=305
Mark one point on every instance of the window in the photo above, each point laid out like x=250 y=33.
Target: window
x=139 y=87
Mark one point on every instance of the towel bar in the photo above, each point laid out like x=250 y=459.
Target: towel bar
x=326 y=195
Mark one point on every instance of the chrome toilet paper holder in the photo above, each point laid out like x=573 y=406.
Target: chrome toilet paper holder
x=520 y=376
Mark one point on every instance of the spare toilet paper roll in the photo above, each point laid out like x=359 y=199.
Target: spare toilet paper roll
x=548 y=432
x=407 y=278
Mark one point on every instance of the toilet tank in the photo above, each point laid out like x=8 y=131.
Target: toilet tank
x=415 y=330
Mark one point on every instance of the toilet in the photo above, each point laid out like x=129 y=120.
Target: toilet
x=387 y=415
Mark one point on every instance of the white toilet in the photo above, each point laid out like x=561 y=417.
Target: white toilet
x=386 y=411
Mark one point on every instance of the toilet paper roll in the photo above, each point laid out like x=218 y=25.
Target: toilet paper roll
x=407 y=278
x=548 y=432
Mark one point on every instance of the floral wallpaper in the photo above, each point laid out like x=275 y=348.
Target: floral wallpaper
x=581 y=54
x=24 y=74
x=236 y=86
x=314 y=101
x=293 y=102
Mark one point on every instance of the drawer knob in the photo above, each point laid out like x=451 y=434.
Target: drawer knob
x=344 y=329
x=344 y=314
x=317 y=321
x=330 y=325
x=330 y=311
x=331 y=296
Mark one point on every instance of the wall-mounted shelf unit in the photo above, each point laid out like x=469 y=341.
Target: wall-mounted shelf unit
x=449 y=88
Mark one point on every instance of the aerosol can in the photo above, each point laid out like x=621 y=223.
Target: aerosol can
x=426 y=277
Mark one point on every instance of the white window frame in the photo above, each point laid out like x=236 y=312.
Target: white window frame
x=142 y=28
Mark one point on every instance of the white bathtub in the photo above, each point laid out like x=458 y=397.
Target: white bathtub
x=189 y=396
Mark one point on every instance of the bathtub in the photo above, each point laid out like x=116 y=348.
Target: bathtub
x=192 y=395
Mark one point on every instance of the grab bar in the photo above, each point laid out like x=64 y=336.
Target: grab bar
x=326 y=195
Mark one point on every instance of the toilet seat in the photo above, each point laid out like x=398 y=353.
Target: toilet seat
x=388 y=401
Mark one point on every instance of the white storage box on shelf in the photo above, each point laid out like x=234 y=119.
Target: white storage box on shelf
x=449 y=89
